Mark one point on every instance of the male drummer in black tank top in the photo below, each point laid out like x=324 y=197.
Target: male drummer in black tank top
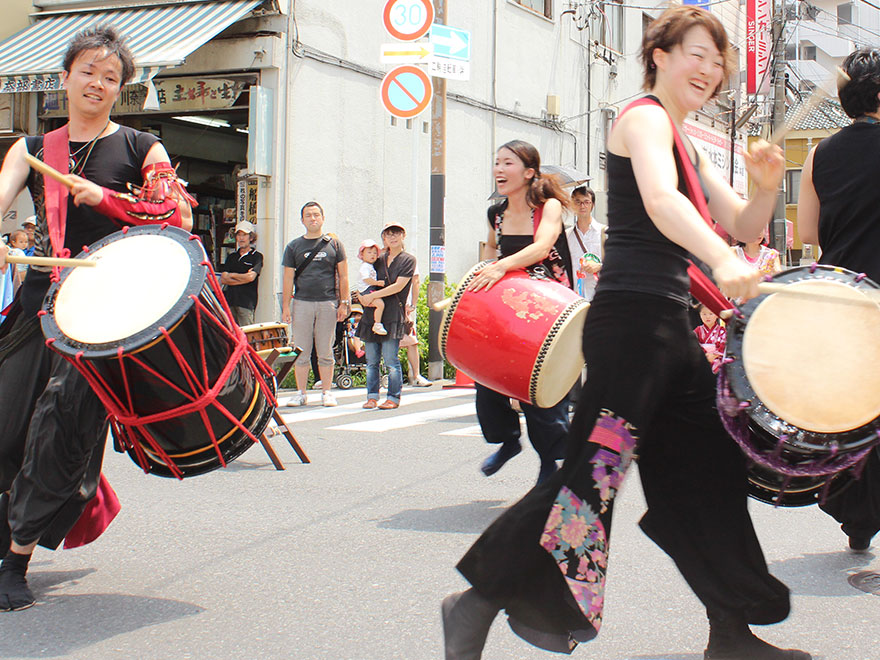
x=839 y=208
x=44 y=455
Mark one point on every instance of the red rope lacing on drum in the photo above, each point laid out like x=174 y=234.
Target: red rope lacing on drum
x=128 y=426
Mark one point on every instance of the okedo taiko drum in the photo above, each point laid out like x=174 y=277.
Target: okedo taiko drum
x=151 y=332
x=522 y=337
x=799 y=389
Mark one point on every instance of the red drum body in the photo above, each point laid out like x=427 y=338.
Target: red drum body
x=522 y=337
x=151 y=332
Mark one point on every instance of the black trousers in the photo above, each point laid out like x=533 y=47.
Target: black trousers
x=646 y=369
x=547 y=427
x=857 y=507
x=52 y=431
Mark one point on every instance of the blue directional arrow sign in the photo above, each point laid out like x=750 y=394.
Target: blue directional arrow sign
x=451 y=43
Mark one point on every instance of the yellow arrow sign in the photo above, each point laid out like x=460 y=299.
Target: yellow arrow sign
x=406 y=52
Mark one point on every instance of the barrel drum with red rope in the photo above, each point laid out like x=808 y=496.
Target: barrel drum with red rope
x=151 y=332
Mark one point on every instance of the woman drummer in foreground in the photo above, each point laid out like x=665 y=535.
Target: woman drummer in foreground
x=650 y=391
x=524 y=232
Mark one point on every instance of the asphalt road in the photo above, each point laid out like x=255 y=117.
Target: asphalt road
x=349 y=557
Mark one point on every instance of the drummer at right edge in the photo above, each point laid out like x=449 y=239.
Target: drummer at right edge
x=839 y=209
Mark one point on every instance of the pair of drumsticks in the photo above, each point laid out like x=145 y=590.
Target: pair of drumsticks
x=48 y=170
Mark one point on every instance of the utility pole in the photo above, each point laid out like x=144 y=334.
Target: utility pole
x=437 y=256
x=777 y=227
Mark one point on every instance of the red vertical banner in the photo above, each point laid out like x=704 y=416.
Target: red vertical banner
x=758 y=45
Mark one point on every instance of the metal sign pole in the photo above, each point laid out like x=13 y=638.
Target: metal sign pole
x=438 y=203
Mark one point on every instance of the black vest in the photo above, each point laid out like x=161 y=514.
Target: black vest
x=845 y=178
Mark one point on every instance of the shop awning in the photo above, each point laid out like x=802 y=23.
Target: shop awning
x=159 y=37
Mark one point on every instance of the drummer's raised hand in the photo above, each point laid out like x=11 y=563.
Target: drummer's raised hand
x=486 y=277
x=84 y=191
x=736 y=279
x=765 y=164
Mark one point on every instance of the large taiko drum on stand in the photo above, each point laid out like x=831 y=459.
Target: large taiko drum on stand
x=522 y=337
x=152 y=334
x=799 y=389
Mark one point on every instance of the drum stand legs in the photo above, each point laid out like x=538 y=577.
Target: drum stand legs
x=281 y=429
x=281 y=426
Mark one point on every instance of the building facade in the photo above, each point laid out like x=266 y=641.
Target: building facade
x=278 y=104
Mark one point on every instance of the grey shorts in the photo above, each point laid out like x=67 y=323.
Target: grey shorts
x=314 y=324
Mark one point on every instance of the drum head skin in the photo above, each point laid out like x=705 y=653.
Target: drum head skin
x=142 y=282
x=812 y=355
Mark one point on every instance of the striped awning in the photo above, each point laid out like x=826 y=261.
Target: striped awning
x=159 y=37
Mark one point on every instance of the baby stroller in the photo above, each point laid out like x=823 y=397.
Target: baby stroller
x=348 y=352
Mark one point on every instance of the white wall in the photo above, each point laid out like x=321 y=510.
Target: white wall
x=344 y=152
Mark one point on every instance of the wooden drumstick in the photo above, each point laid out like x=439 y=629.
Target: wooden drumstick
x=815 y=99
x=48 y=170
x=777 y=287
x=50 y=261
x=440 y=305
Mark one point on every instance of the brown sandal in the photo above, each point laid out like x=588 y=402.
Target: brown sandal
x=370 y=404
x=388 y=405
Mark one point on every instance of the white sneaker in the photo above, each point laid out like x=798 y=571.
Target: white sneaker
x=317 y=385
x=298 y=399
x=328 y=399
x=379 y=329
x=421 y=381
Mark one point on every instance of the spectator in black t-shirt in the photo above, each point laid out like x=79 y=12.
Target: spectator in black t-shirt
x=241 y=272
x=316 y=277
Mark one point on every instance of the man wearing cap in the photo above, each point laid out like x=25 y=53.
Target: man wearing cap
x=241 y=273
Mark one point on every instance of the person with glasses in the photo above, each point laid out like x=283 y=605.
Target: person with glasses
x=586 y=242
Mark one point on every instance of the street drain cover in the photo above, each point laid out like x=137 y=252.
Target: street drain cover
x=867 y=581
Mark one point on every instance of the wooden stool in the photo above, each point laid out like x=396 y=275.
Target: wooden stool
x=285 y=360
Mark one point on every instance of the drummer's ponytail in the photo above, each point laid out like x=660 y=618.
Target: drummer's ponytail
x=542 y=186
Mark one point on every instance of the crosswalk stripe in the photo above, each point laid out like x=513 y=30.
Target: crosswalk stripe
x=300 y=415
x=402 y=421
x=466 y=432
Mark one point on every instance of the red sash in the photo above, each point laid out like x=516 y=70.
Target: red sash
x=56 y=153
x=702 y=288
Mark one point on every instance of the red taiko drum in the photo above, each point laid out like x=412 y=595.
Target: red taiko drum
x=522 y=337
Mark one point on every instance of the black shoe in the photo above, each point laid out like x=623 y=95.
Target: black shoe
x=731 y=639
x=467 y=617
x=859 y=544
x=497 y=460
x=14 y=592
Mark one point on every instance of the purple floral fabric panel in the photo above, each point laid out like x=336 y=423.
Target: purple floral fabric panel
x=575 y=533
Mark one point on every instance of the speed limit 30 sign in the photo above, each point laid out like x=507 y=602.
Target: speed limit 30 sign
x=408 y=20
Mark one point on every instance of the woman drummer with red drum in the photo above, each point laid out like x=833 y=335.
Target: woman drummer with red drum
x=525 y=231
x=649 y=392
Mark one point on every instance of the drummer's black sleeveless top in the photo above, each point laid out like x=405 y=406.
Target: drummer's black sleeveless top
x=114 y=161
x=845 y=179
x=638 y=257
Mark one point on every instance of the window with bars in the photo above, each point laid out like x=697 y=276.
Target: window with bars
x=792 y=186
x=543 y=7
x=609 y=30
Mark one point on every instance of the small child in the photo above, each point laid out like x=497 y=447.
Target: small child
x=18 y=242
x=368 y=253
x=355 y=343
x=712 y=337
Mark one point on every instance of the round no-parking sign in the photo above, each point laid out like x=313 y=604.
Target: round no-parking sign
x=408 y=20
x=406 y=91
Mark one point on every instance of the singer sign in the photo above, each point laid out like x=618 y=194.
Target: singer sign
x=758 y=45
